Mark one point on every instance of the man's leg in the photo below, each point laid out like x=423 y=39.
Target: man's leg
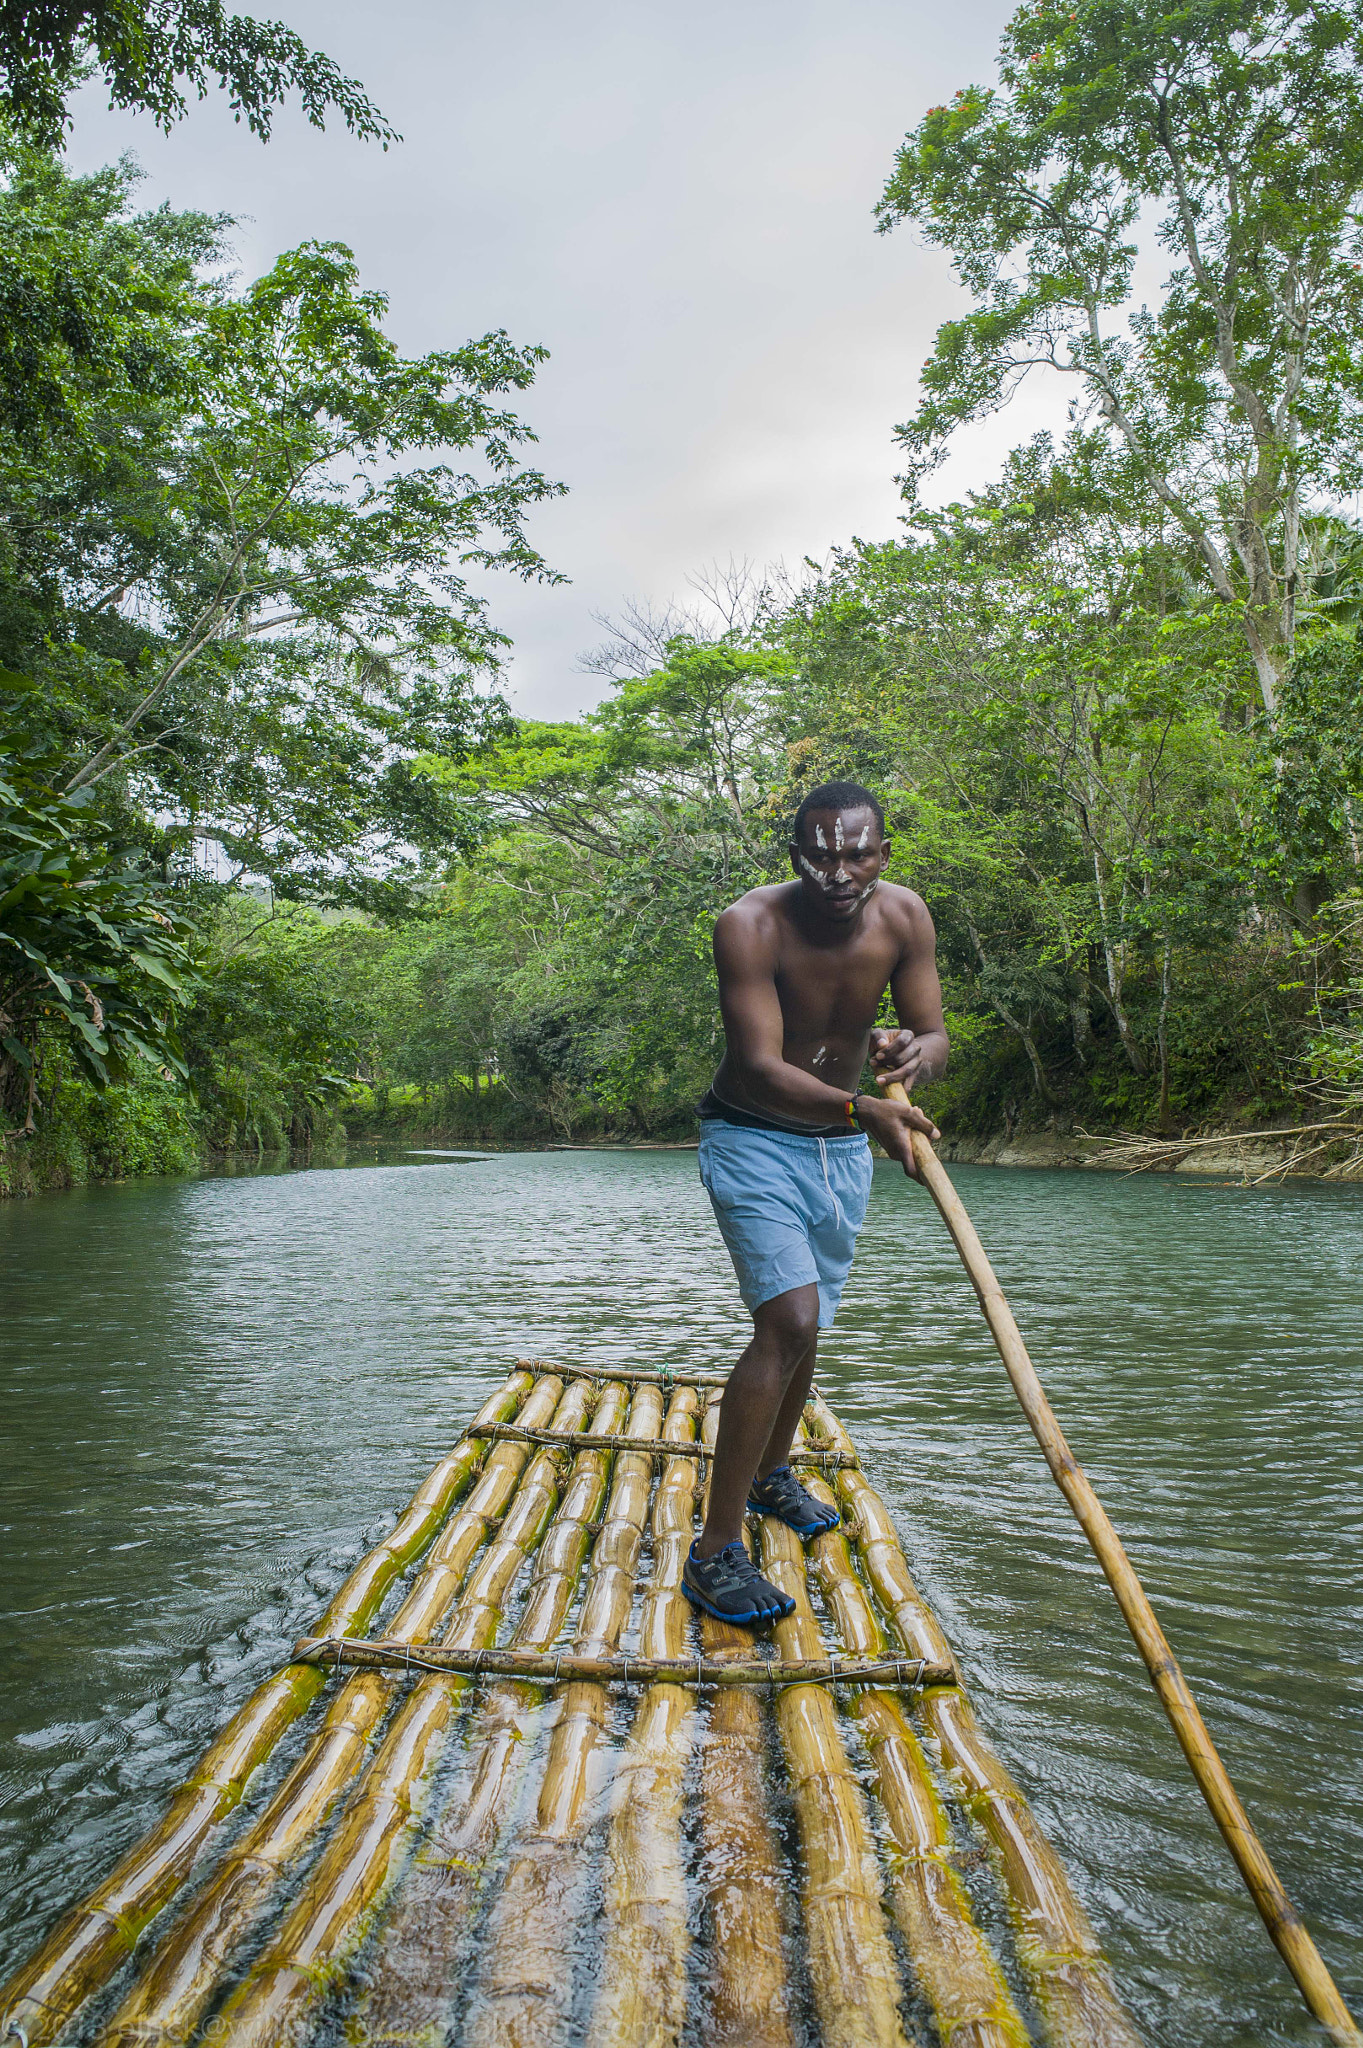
x=766 y=1392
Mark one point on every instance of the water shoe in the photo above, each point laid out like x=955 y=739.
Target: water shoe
x=730 y=1587
x=782 y=1495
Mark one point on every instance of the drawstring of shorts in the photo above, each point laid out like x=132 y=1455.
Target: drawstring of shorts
x=823 y=1161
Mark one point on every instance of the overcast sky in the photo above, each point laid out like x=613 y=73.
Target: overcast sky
x=675 y=202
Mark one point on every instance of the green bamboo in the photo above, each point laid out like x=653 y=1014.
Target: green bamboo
x=407 y=1981
x=852 y=1968
x=641 y=1983
x=746 y=1997
x=951 y=1960
x=95 y=1937
x=166 y=2003
x=524 y=1990
x=312 y=1948
x=1056 y=1945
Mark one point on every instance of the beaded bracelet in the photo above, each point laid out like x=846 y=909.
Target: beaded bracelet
x=854 y=1122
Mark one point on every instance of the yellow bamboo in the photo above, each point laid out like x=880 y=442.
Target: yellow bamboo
x=851 y=1964
x=1279 y=1915
x=524 y=1989
x=1057 y=1947
x=641 y=1982
x=166 y=2003
x=312 y=1948
x=90 y=1942
x=955 y=1970
x=407 y=1991
x=747 y=2004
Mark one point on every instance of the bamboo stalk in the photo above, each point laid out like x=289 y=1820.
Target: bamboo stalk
x=955 y=1970
x=166 y=2003
x=642 y=1375
x=813 y=1453
x=91 y=1941
x=746 y=1999
x=1279 y=1915
x=524 y=1990
x=312 y=1948
x=1056 y=1945
x=554 y=1667
x=407 y=1994
x=641 y=1980
x=851 y=1965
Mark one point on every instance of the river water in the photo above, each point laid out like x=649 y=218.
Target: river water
x=218 y=1390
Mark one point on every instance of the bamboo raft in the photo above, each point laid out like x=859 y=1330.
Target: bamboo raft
x=533 y=1799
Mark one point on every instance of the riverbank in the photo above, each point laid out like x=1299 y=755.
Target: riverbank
x=128 y=1134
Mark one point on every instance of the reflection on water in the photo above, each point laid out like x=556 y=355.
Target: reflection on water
x=216 y=1392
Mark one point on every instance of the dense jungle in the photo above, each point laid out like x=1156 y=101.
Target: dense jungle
x=278 y=863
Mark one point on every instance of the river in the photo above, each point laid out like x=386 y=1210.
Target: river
x=217 y=1391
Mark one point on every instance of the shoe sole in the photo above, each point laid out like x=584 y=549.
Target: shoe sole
x=753 y=1620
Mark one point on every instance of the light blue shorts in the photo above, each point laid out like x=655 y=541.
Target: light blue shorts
x=788 y=1207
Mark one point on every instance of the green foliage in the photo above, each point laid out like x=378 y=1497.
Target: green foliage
x=149 y=51
x=238 y=530
x=93 y=953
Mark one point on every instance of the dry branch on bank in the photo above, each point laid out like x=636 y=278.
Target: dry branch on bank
x=1139 y=1153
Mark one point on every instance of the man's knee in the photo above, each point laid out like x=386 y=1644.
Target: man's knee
x=790 y=1323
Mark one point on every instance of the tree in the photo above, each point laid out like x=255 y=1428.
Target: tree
x=233 y=544
x=150 y=50
x=1236 y=126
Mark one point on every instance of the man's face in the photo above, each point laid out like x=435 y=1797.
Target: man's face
x=839 y=857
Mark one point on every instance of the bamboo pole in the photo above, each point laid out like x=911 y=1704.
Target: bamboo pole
x=167 y=2001
x=407 y=1994
x=641 y=1979
x=95 y=1937
x=812 y=1453
x=1279 y=1915
x=1056 y=1946
x=558 y=1667
x=663 y=1378
x=851 y=1964
x=524 y=1991
x=746 y=2000
x=955 y=1970
x=312 y=1948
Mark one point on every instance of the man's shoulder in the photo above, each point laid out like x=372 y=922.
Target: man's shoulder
x=759 y=908
x=904 y=906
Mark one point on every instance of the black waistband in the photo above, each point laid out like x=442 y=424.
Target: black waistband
x=712 y=1107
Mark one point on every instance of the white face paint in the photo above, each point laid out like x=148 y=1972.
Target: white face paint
x=819 y=839
x=837 y=833
x=807 y=867
x=865 y=835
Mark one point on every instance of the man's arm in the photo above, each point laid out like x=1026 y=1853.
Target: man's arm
x=745 y=963
x=917 y=1053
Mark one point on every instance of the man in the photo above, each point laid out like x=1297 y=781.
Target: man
x=784 y=1157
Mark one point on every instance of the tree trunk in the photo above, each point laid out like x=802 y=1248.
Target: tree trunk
x=1166 y=989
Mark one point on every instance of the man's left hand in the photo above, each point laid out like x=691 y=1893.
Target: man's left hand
x=896 y=1056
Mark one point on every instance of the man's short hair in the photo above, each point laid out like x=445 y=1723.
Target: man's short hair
x=837 y=796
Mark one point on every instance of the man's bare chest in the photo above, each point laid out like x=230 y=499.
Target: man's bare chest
x=833 y=993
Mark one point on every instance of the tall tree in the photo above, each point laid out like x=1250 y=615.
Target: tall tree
x=1231 y=131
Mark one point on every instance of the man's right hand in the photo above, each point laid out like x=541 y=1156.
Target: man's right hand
x=890 y=1124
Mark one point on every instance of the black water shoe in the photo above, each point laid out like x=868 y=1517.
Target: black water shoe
x=730 y=1587
x=782 y=1495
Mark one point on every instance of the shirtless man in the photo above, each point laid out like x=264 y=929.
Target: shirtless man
x=784 y=1157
